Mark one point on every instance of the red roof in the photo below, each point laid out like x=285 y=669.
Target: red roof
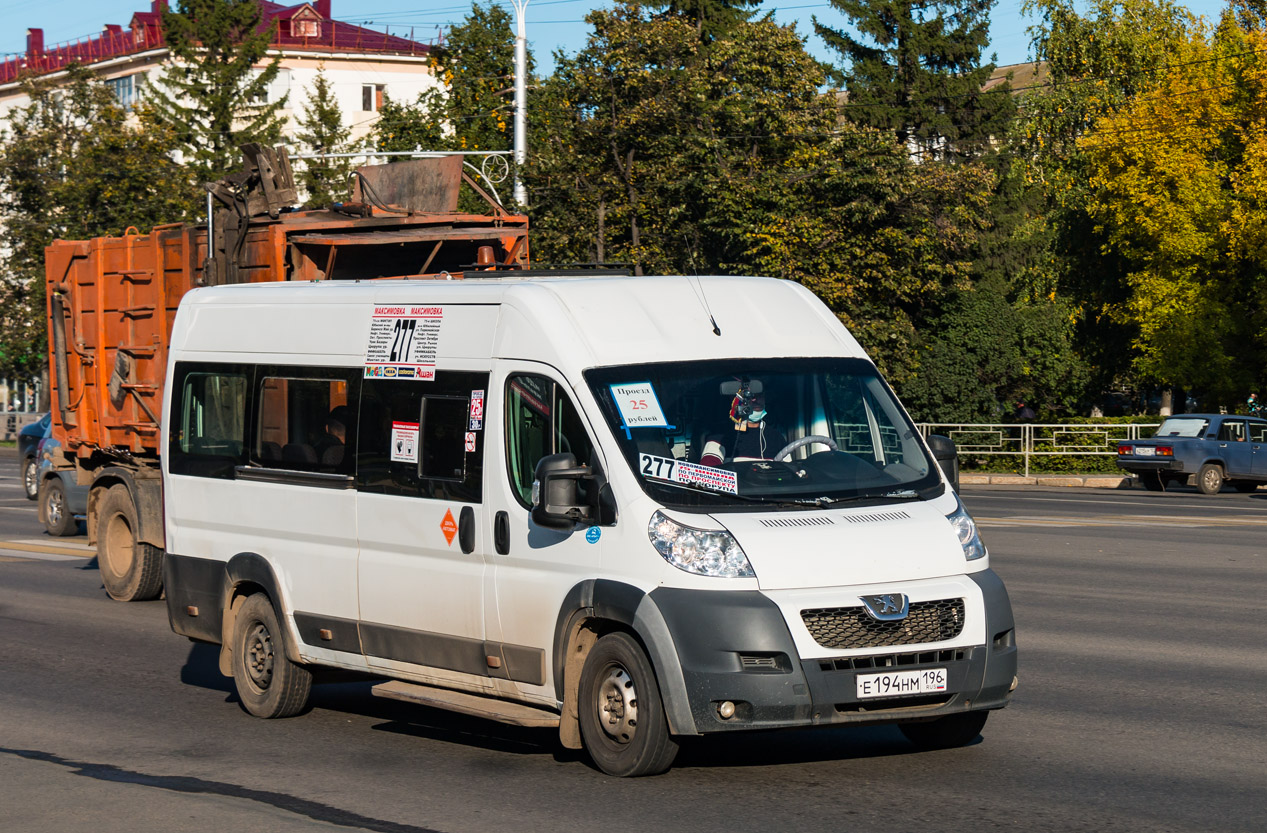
x=145 y=32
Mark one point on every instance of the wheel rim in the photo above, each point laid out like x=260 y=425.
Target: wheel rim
x=258 y=657
x=617 y=704
x=53 y=507
x=119 y=545
x=31 y=471
x=1212 y=480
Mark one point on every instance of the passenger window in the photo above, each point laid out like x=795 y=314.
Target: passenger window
x=540 y=420
x=1232 y=431
x=305 y=418
x=416 y=438
x=1258 y=432
x=208 y=421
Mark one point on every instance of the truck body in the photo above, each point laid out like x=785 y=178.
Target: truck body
x=112 y=302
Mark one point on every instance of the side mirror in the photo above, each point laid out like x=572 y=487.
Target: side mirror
x=555 y=492
x=947 y=456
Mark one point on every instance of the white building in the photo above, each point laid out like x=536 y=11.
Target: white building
x=362 y=65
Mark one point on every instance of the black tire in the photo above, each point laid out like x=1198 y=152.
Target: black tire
x=621 y=714
x=1210 y=479
x=58 y=519
x=31 y=478
x=1152 y=481
x=269 y=685
x=946 y=732
x=132 y=571
x=1245 y=486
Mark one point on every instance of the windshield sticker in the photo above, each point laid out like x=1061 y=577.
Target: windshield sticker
x=593 y=534
x=688 y=474
x=477 y=411
x=404 y=442
x=638 y=405
x=403 y=341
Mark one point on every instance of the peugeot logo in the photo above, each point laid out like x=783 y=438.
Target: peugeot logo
x=887 y=607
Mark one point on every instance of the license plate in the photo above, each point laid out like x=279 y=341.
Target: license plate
x=1144 y=451
x=902 y=683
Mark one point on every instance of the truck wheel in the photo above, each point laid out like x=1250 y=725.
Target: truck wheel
x=1152 y=481
x=268 y=684
x=1210 y=479
x=132 y=571
x=58 y=519
x=945 y=732
x=31 y=478
x=621 y=715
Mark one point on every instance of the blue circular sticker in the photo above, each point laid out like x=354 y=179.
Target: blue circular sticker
x=593 y=534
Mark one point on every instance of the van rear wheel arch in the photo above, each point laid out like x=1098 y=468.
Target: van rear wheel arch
x=247 y=574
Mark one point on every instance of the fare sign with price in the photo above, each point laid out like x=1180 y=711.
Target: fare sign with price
x=403 y=341
x=638 y=405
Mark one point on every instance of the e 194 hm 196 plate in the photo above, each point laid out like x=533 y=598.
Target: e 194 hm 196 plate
x=901 y=683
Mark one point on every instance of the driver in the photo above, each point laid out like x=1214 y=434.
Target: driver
x=757 y=439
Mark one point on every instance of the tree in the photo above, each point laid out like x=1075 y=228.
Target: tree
x=915 y=69
x=711 y=18
x=73 y=165
x=211 y=96
x=321 y=130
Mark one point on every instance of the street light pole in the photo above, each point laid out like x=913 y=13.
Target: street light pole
x=520 y=194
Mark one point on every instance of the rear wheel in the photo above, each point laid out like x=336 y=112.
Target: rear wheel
x=621 y=714
x=1210 y=479
x=31 y=478
x=269 y=685
x=131 y=570
x=946 y=732
x=58 y=519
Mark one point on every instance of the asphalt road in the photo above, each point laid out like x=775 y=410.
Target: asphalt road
x=1142 y=623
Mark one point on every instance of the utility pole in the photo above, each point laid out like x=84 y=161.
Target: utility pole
x=520 y=194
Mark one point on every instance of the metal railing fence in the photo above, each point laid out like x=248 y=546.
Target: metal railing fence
x=1028 y=440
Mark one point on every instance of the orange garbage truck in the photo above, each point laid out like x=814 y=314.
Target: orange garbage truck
x=112 y=302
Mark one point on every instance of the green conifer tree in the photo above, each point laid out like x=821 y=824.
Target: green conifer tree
x=321 y=130
x=211 y=95
x=711 y=18
x=914 y=68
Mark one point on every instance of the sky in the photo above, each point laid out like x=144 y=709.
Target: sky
x=552 y=25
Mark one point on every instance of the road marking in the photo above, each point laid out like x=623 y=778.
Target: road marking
x=68 y=549
x=1120 y=520
x=20 y=555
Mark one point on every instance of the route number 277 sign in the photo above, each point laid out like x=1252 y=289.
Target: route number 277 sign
x=402 y=342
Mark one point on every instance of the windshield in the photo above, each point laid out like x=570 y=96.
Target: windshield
x=734 y=432
x=1182 y=427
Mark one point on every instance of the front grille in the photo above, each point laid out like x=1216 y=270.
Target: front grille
x=845 y=628
x=881 y=661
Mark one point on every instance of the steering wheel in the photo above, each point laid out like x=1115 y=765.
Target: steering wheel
x=812 y=438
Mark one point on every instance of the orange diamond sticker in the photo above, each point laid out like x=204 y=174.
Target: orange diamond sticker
x=449 y=526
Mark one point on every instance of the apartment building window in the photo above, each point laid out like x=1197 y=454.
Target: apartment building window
x=125 y=90
x=372 y=97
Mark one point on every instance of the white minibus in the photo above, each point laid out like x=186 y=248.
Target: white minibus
x=634 y=509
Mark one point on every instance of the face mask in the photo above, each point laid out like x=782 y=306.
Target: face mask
x=756 y=416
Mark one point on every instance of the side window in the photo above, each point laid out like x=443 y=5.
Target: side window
x=305 y=418
x=208 y=420
x=540 y=420
x=1258 y=432
x=1232 y=431
x=423 y=439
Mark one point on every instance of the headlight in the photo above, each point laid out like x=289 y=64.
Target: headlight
x=966 y=529
x=698 y=551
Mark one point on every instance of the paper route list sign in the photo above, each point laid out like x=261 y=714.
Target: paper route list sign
x=403 y=341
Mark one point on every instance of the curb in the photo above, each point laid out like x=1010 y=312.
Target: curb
x=1093 y=481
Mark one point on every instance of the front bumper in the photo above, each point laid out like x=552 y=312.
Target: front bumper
x=736 y=647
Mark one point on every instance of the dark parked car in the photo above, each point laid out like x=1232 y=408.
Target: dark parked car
x=63 y=503
x=1217 y=448
x=28 y=453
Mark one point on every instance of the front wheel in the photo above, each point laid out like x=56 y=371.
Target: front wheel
x=946 y=732
x=58 y=519
x=622 y=717
x=269 y=685
x=1210 y=479
x=131 y=570
x=31 y=478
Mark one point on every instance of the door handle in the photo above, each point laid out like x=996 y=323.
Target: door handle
x=466 y=530
x=501 y=533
